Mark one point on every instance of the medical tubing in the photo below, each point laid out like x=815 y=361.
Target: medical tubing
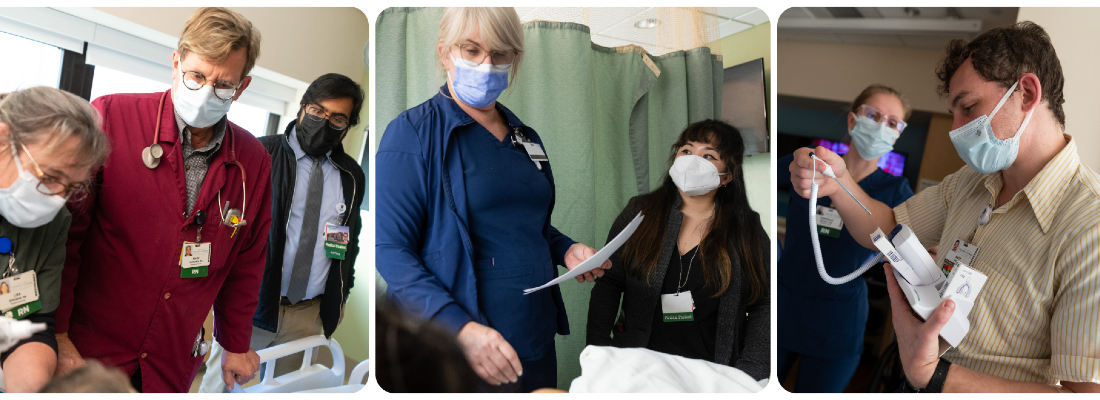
x=817 y=245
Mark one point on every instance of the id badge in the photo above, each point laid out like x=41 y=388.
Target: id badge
x=678 y=307
x=960 y=252
x=535 y=152
x=829 y=222
x=194 y=260
x=336 y=240
x=19 y=295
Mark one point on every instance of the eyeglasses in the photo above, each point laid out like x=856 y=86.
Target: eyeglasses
x=874 y=114
x=316 y=114
x=473 y=55
x=52 y=185
x=222 y=89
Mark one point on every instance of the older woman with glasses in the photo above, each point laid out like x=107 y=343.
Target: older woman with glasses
x=464 y=195
x=821 y=325
x=49 y=144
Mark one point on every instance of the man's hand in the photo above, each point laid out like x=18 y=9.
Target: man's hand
x=239 y=367
x=68 y=358
x=579 y=252
x=489 y=354
x=918 y=341
x=802 y=171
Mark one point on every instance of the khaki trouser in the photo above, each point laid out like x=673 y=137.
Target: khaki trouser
x=295 y=322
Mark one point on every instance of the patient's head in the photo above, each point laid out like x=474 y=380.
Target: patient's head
x=93 y=377
x=418 y=356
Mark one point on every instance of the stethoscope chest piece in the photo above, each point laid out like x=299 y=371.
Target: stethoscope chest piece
x=151 y=155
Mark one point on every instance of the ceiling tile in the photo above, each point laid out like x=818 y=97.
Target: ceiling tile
x=732 y=27
x=755 y=18
x=734 y=12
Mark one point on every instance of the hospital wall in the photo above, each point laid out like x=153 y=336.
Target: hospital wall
x=836 y=71
x=339 y=34
x=1073 y=32
x=747 y=45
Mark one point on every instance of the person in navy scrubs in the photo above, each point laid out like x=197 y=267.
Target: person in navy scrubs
x=821 y=325
x=464 y=196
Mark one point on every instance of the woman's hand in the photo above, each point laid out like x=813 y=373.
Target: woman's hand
x=579 y=252
x=489 y=354
x=68 y=358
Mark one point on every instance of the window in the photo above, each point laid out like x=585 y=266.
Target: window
x=109 y=81
x=252 y=119
x=33 y=63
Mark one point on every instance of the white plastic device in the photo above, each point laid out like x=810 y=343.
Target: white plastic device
x=916 y=272
x=13 y=330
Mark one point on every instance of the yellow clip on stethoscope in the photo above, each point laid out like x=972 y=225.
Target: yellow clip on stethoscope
x=230 y=216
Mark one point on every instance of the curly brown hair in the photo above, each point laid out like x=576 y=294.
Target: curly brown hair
x=1005 y=54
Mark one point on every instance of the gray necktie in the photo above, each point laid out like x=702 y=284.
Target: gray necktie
x=303 y=258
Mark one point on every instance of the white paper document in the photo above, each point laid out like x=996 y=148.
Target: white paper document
x=596 y=260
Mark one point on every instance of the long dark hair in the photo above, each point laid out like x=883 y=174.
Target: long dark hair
x=733 y=221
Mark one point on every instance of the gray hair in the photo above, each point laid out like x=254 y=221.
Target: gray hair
x=46 y=116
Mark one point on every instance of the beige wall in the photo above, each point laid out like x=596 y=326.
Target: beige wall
x=1073 y=32
x=302 y=43
x=839 y=72
x=740 y=47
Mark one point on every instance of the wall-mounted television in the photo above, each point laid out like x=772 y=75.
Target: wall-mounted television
x=892 y=162
x=745 y=105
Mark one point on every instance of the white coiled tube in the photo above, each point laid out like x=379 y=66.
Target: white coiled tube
x=817 y=245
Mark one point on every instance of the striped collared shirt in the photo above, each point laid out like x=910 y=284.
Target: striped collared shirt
x=1037 y=319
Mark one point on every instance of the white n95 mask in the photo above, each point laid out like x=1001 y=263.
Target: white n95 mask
x=980 y=149
x=199 y=108
x=694 y=175
x=22 y=204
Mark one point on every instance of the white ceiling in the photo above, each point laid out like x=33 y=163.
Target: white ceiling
x=990 y=17
x=614 y=26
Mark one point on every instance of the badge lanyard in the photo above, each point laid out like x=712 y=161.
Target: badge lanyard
x=6 y=247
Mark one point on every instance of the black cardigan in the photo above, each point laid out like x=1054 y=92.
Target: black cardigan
x=742 y=342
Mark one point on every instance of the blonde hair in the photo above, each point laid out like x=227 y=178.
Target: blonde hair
x=499 y=27
x=214 y=32
x=44 y=115
x=876 y=88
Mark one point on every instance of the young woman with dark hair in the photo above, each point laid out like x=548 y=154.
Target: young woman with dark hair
x=694 y=277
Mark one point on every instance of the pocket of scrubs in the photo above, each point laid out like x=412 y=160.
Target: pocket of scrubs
x=490 y=270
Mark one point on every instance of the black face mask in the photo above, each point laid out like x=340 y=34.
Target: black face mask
x=316 y=137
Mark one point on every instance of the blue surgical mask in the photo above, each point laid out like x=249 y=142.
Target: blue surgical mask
x=872 y=139
x=199 y=108
x=479 y=85
x=980 y=149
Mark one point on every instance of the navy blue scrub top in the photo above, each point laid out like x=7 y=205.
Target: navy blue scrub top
x=508 y=198
x=813 y=317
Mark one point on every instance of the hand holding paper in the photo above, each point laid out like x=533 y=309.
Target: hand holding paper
x=596 y=260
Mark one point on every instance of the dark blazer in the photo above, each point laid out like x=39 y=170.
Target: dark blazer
x=341 y=275
x=742 y=342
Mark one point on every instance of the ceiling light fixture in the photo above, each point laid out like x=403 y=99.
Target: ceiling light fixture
x=648 y=23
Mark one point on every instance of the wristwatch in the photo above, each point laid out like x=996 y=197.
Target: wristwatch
x=935 y=385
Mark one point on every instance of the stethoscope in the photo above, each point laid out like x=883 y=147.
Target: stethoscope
x=231 y=217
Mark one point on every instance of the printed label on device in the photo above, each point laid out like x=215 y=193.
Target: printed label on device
x=960 y=252
x=18 y=290
x=336 y=241
x=194 y=260
x=829 y=222
x=678 y=307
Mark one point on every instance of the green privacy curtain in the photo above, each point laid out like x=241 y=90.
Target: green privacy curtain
x=608 y=118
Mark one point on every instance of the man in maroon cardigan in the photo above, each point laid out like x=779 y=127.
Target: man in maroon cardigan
x=178 y=173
